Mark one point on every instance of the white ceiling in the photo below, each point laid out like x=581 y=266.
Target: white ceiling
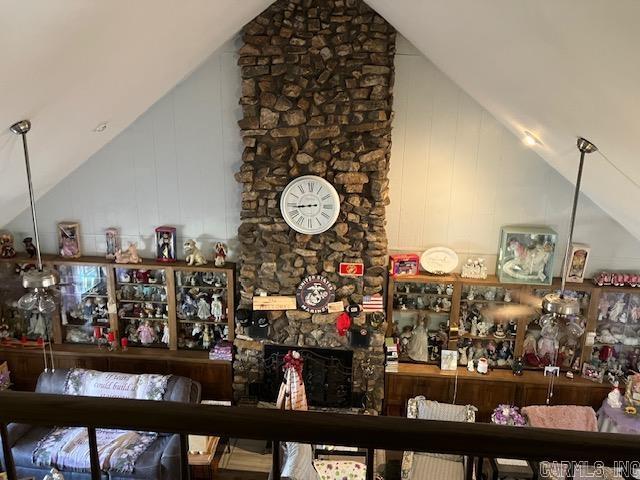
x=69 y=65
x=559 y=68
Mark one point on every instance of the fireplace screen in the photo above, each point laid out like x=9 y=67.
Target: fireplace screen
x=326 y=373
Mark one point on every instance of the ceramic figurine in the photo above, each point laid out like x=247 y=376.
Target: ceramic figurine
x=405 y=337
x=617 y=310
x=606 y=337
x=484 y=327
x=518 y=366
x=463 y=359
x=204 y=310
x=196 y=330
x=208 y=278
x=474 y=269
x=483 y=366
x=53 y=475
x=189 y=307
x=440 y=288
x=101 y=308
x=142 y=276
x=193 y=254
x=499 y=333
x=206 y=338
x=6 y=245
x=216 y=308
x=87 y=311
x=420 y=303
x=507 y=296
x=477 y=351
x=29 y=247
x=112 y=237
x=490 y=295
x=446 y=304
x=504 y=354
x=472 y=294
x=166 y=244
x=449 y=290
x=418 y=347
x=132 y=331
x=129 y=256
x=146 y=333
x=220 y=254
x=470 y=366
x=474 y=326
x=614 y=398
x=512 y=328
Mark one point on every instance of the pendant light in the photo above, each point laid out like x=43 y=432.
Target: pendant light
x=41 y=298
x=560 y=305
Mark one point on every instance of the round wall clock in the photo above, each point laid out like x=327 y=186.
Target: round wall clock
x=315 y=293
x=309 y=204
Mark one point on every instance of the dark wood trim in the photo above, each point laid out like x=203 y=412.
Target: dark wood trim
x=9 y=463
x=365 y=431
x=93 y=454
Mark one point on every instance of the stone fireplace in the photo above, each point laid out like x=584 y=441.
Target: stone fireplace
x=317 y=85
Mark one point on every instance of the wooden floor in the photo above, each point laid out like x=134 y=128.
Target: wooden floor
x=248 y=460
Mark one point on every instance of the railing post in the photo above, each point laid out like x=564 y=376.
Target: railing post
x=93 y=454
x=275 y=460
x=185 y=473
x=9 y=464
x=370 y=463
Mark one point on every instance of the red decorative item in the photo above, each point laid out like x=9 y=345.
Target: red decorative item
x=40 y=342
x=405 y=264
x=124 y=343
x=343 y=323
x=606 y=352
x=111 y=337
x=293 y=360
x=23 y=340
x=351 y=269
x=97 y=332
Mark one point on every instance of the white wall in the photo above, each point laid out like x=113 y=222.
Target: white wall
x=173 y=166
x=457 y=175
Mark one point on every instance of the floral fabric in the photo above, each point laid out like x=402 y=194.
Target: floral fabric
x=115 y=385
x=340 y=470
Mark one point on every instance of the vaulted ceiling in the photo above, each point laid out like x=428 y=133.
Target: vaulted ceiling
x=558 y=68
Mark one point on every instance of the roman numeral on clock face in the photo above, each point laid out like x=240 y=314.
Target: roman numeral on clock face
x=309 y=223
x=327 y=206
x=311 y=186
x=324 y=197
x=294 y=213
x=300 y=220
x=301 y=189
x=292 y=204
x=325 y=214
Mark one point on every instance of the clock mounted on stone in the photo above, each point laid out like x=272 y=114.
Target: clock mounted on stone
x=310 y=204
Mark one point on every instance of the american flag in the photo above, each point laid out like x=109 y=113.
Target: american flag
x=372 y=303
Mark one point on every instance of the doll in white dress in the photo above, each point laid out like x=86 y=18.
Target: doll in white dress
x=418 y=347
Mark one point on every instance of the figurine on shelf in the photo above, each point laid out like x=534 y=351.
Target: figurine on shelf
x=112 y=237
x=490 y=294
x=206 y=337
x=418 y=347
x=132 y=331
x=166 y=244
x=101 y=308
x=474 y=326
x=474 y=268
x=507 y=296
x=477 y=351
x=445 y=304
x=548 y=344
x=518 y=366
x=530 y=350
x=462 y=358
x=405 y=338
x=87 y=311
x=6 y=245
x=188 y=307
x=616 y=312
x=146 y=333
x=142 y=276
x=505 y=355
x=472 y=294
x=165 y=334
x=148 y=310
x=512 y=328
x=193 y=254
x=614 y=398
x=420 y=303
x=29 y=247
x=449 y=290
x=208 y=278
x=129 y=256
x=499 y=333
x=484 y=327
x=216 y=308
x=204 y=309
x=220 y=254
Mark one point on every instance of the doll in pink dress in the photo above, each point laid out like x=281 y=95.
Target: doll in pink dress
x=146 y=333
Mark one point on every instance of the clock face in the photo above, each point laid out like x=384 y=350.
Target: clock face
x=310 y=204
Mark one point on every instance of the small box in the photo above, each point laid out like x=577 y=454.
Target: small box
x=404 y=264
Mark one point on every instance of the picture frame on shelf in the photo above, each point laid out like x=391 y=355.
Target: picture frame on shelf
x=578 y=259
x=166 y=244
x=69 y=240
x=449 y=360
x=404 y=264
x=526 y=255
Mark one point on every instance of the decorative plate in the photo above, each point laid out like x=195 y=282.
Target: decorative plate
x=439 y=260
x=315 y=293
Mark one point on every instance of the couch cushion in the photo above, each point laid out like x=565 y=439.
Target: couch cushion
x=427 y=467
x=149 y=463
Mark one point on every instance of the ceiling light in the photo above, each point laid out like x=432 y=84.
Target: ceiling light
x=101 y=127
x=530 y=140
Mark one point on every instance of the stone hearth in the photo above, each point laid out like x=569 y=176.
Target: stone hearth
x=317 y=84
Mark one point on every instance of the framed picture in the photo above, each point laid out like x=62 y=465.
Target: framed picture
x=404 y=264
x=69 y=240
x=578 y=258
x=166 y=244
x=449 y=360
x=526 y=255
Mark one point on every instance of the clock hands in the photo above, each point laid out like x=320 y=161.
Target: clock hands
x=303 y=206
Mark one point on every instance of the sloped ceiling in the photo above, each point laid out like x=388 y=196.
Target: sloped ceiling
x=559 y=68
x=69 y=65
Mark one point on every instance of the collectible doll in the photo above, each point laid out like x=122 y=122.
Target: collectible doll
x=6 y=245
x=206 y=338
x=418 y=346
x=530 y=350
x=216 y=308
x=100 y=309
x=132 y=331
x=548 y=344
x=165 y=247
x=220 y=254
x=146 y=333
x=165 y=335
x=204 y=309
x=87 y=311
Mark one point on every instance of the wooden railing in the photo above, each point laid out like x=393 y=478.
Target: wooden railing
x=370 y=432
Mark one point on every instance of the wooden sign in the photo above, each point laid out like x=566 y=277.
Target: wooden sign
x=335 y=307
x=351 y=269
x=275 y=302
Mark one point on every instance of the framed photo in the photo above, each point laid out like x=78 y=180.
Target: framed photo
x=449 y=360
x=526 y=255
x=166 y=244
x=578 y=258
x=69 y=240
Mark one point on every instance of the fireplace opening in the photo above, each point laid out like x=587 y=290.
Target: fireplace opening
x=327 y=375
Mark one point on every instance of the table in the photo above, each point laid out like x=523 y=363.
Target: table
x=614 y=420
x=205 y=462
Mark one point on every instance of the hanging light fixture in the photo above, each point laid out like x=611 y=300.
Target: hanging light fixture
x=41 y=298
x=560 y=304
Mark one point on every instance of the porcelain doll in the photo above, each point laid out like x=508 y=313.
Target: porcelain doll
x=548 y=344
x=149 y=310
x=462 y=357
x=159 y=313
x=204 y=309
x=434 y=347
x=101 y=308
x=6 y=245
x=472 y=294
x=112 y=237
x=474 y=326
x=477 y=351
x=504 y=354
x=165 y=335
x=146 y=333
x=193 y=254
x=216 y=308
x=617 y=310
x=29 y=247
x=189 y=308
x=492 y=355
x=132 y=331
x=220 y=254
x=446 y=305
x=418 y=346
x=484 y=327
x=405 y=337
x=530 y=350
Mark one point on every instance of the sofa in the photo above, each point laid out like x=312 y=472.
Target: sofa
x=160 y=461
